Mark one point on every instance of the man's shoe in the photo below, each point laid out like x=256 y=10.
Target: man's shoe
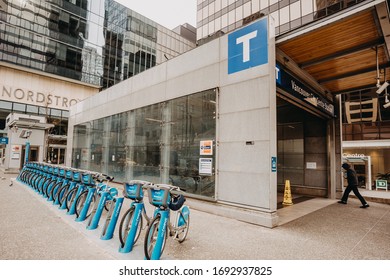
x=342 y=202
x=365 y=206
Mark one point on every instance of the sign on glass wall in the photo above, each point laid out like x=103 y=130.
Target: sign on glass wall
x=206 y=148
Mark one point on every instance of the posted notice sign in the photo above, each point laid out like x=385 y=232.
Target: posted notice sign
x=206 y=148
x=206 y=166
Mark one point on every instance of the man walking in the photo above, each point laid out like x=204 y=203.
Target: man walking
x=352 y=186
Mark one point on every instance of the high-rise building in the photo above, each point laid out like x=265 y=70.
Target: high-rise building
x=337 y=48
x=55 y=53
x=216 y=17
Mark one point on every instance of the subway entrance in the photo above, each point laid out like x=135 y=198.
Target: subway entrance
x=302 y=151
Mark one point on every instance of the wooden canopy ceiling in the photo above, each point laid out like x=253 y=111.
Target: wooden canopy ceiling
x=342 y=56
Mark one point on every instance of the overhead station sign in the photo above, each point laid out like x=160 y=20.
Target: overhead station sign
x=248 y=47
x=301 y=91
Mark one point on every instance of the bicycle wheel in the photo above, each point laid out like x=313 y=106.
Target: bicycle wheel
x=125 y=226
x=70 y=197
x=61 y=193
x=81 y=202
x=182 y=230
x=47 y=185
x=151 y=237
x=54 y=190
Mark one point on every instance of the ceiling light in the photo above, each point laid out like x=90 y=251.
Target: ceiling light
x=382 y=88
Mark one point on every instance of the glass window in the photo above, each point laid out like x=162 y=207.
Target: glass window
x=307 y=7
x=158 y=143
x=5 y=105
x=43 y=111
x=65 y=114
x=295 y=10
x=55 y=112
x=284 y=15
x=19 y=107
x=97 y=136
x=192 y=120
x=146 y=145
x=32 y=109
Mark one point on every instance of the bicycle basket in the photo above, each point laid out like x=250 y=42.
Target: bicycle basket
x=159 y=197
x=87 y=179
x=68 y=174
x=61 y=172
x=176 y=202
x=76 y=176
x=133 y=191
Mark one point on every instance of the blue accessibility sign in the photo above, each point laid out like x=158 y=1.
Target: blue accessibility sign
x=3 y=140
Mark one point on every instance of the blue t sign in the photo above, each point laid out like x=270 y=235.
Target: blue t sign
x=248 y=47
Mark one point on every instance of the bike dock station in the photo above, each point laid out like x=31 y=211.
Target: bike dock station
x=88 y=200
x=112 y=218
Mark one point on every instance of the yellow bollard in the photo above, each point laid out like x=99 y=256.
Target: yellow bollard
x=287 y=200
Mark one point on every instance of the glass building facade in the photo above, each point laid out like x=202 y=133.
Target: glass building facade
x=159 y=143
x=367 y=122
x=96 y=44
x=216 y=17
x=364 y=117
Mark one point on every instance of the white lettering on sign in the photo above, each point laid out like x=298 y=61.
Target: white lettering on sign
x=245 y=41
x=37 y=98
x=300 y=90
x=309 y=97
x=354 y=155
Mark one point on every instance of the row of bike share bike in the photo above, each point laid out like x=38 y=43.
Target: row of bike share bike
x=87 y=195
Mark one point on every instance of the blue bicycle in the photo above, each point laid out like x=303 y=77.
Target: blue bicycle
x=132 y=221
x=165 y=198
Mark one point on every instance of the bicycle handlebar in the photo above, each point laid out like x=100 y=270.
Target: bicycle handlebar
x=100 y=177
x=144 y=184
x=168 y=187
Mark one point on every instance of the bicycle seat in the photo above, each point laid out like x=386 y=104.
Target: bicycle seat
x=176 y=202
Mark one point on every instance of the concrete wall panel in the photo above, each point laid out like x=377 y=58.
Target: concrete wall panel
x=198 y=58
x=199 y=80
x=240 y=157
x=235 y=98
x=244 y=126
x=251 y=190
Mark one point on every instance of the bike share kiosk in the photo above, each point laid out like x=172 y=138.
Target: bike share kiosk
x=26 y=140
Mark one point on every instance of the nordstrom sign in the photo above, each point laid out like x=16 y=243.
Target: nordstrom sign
x=37 y=98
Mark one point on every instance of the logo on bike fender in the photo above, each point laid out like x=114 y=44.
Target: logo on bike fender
x=162 y=233
x=118 y=207
x=183 y=216
x=102 y=201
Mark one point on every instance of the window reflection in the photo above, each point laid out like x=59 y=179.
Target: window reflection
x=83 y=41
x=158 y=143
x=357 y=126
x=301 y=12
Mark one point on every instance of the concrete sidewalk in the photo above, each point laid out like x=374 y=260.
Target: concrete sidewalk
x=319 y=229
